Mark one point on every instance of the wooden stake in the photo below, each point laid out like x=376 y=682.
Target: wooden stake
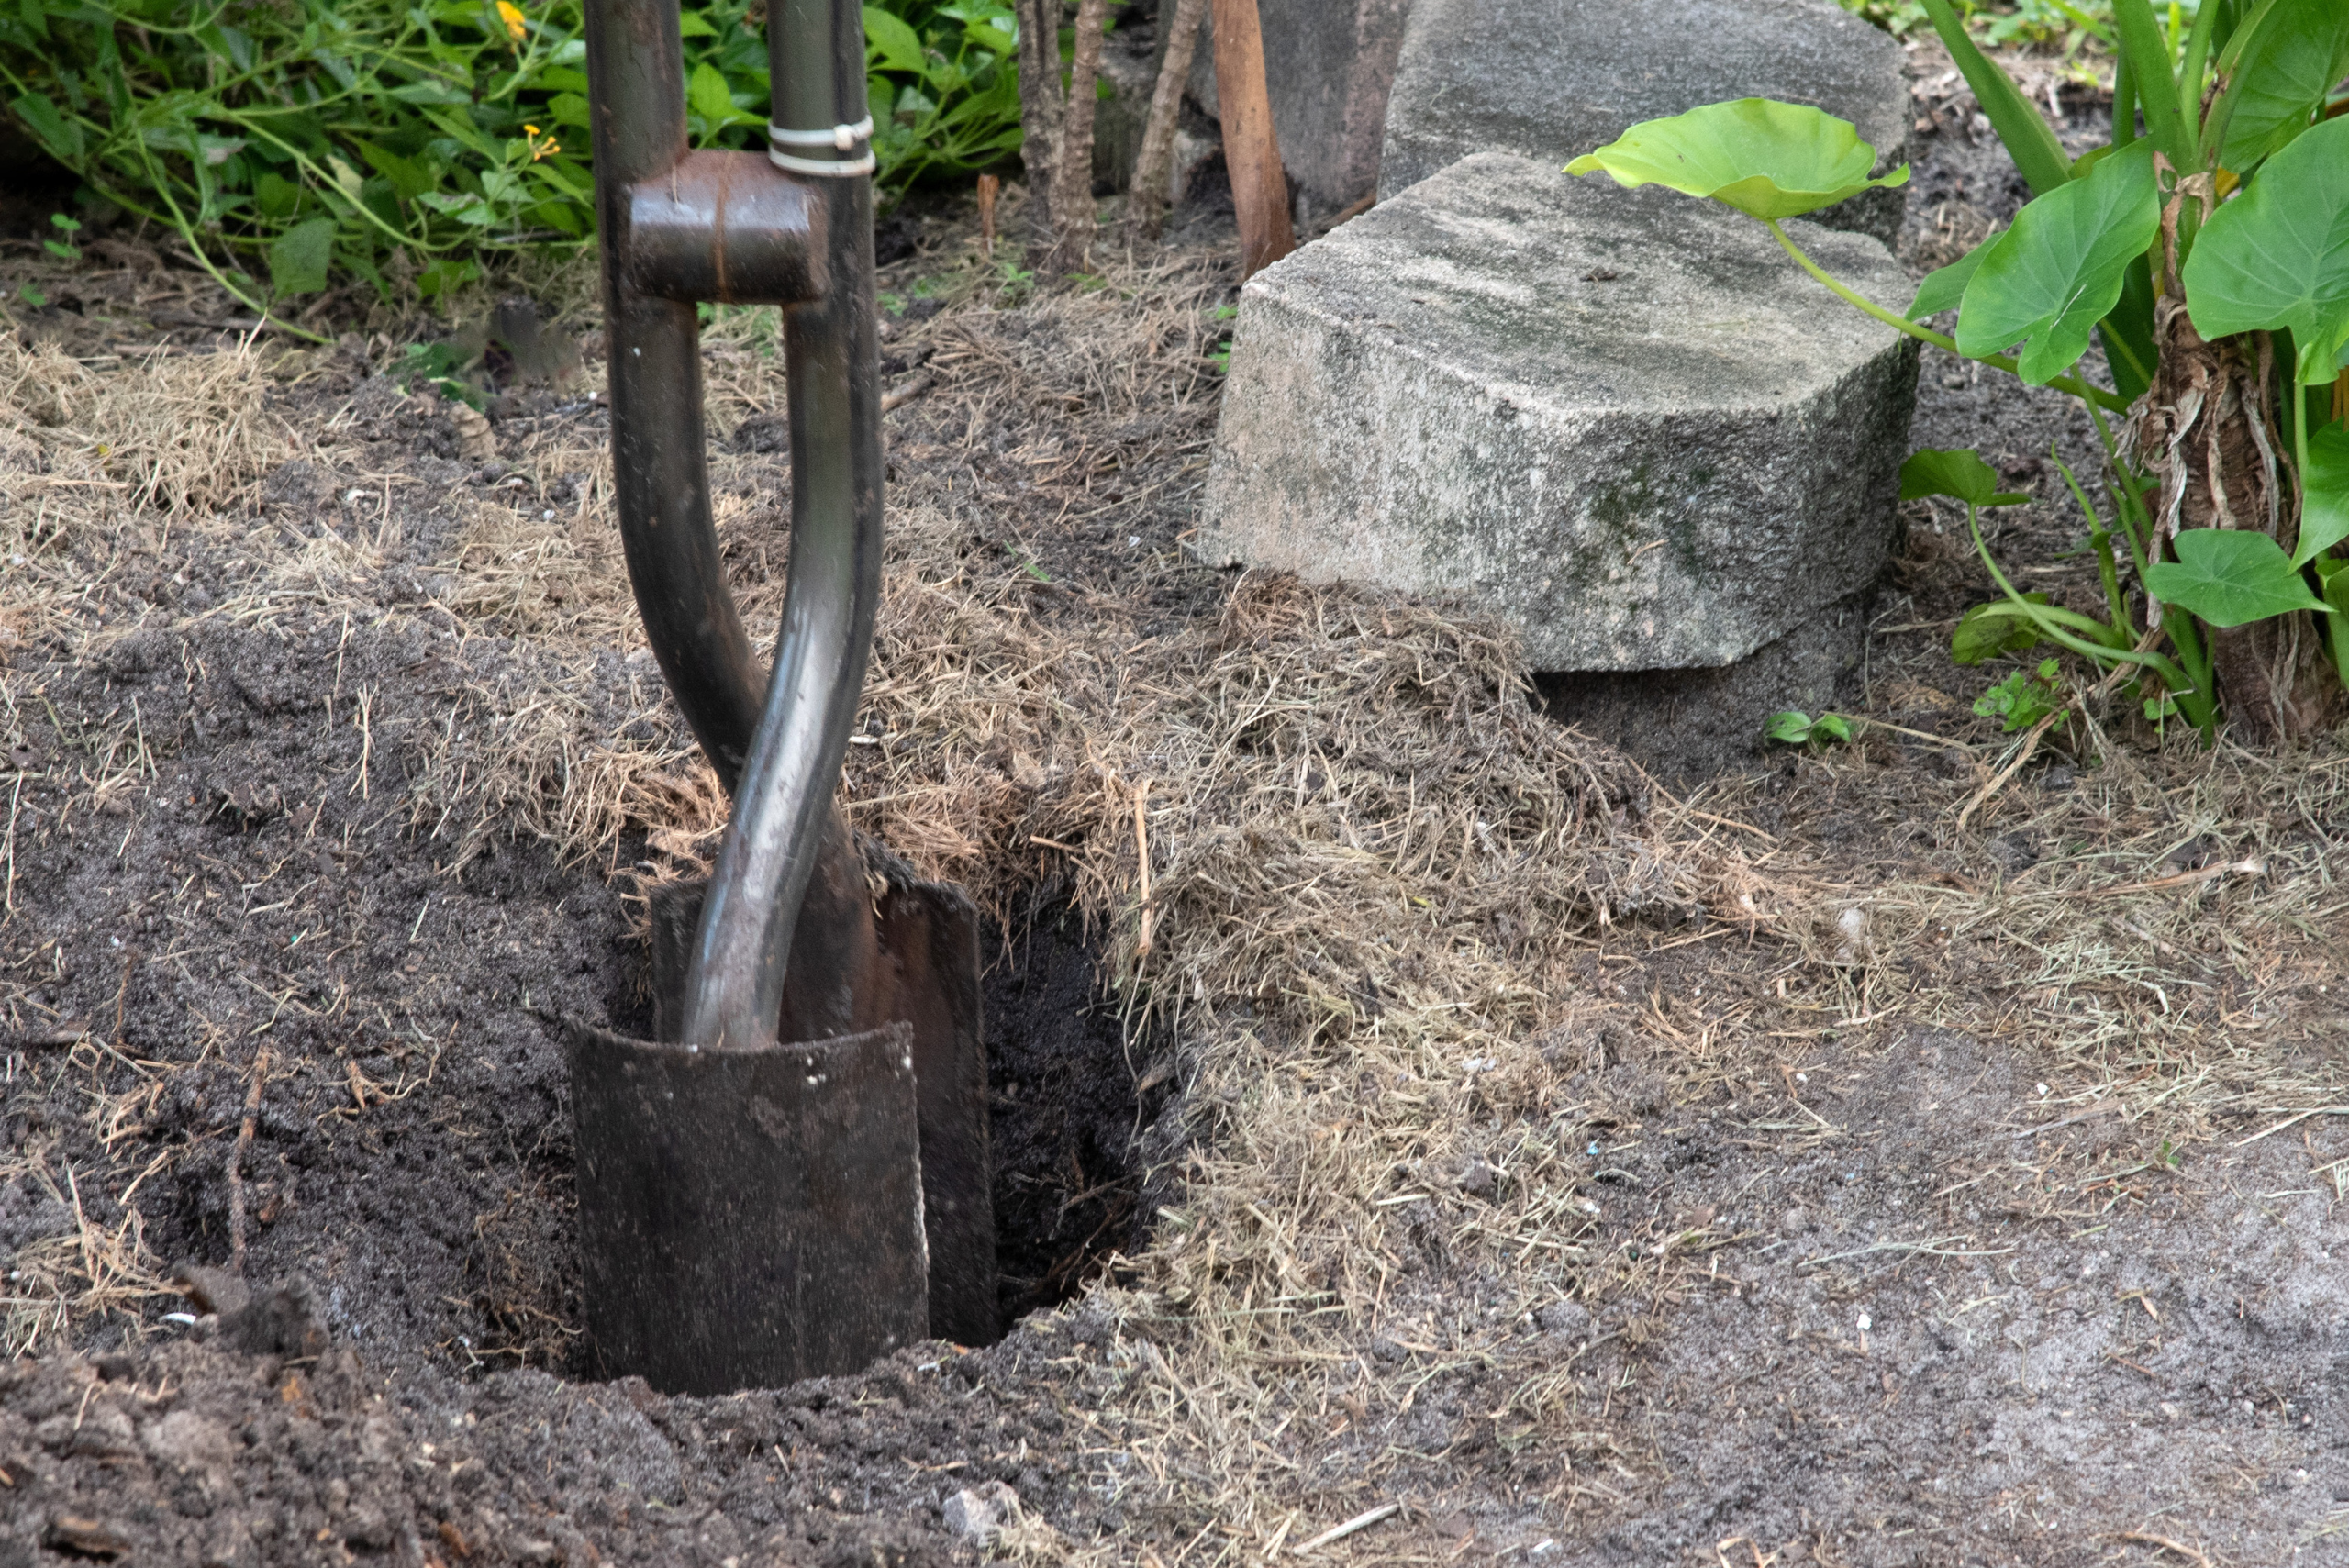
x=1251 y=149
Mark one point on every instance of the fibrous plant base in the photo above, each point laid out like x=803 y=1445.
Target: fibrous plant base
x=1782 y=1168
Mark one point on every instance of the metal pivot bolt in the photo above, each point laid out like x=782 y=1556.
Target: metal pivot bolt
x=754 y=1211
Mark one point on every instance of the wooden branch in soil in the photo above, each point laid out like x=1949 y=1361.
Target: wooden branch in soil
x=1251 y=149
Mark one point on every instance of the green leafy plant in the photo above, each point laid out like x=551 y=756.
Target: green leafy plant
x=945 y=88
x=2023 y=698
x=64 y=249
x=445 y=370
x=2017 y=24
x=2211 y=257
x=1796 y=727
x=295 y=144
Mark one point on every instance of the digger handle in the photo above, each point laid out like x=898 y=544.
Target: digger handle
x=792 y=227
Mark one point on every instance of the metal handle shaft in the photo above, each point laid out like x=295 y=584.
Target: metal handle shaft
x=782 y=756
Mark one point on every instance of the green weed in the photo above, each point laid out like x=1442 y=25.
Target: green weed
x=297 y=145
x=2023 y=698
x=1794 y=728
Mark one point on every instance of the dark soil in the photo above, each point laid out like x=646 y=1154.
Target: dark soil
x=255 y=920
x=1069 y=1111
x=262 y=1444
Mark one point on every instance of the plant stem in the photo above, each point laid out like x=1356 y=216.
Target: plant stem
x=2098 y=653
x=2131 y=511
x=2190 y=72
x=2142 y=45
x=2099 y=540
x=195 y=248
x=2299 y=461
x=2124 y=104
x=2199 y=699
x=2072 y=384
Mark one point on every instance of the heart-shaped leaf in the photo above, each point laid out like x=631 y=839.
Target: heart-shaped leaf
x=2324 y=489
x=2277 y=255
x=888 y=41
x=1961 y=474
x=1944 y=286
x=2048 y=280
x=2230 y=576
x=1767 y=158
x=297 y=259
x=2296 y=50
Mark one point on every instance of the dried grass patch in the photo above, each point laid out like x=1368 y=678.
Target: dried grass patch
x=2177 y=942
x=97 y=470
x=97 y=1264
x=1385 y=922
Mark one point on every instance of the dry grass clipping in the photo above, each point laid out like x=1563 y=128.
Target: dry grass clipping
x=1388 y=909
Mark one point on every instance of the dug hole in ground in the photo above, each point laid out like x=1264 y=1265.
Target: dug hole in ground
x=1835 y=1161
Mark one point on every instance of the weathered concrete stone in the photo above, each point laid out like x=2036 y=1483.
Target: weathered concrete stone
x=1686 y=725
x=1622 y=420
x=1552 y=79
x=1329 y=65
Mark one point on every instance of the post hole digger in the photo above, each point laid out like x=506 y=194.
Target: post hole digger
x=793 y=1178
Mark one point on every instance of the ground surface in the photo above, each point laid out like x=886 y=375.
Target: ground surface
x=1858 y=1159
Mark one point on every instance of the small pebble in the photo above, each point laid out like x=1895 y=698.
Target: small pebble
x=978 y=1513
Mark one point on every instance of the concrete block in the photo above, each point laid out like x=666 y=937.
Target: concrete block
x=1622 y=420
x=1552 y=79
x=1329 y=65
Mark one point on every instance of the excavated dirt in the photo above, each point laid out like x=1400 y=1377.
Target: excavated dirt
x=1883 y=1175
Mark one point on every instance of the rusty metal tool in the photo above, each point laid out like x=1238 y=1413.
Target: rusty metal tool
x=793 y=1178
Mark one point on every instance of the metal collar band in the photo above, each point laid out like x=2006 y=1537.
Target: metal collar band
x=844 y=139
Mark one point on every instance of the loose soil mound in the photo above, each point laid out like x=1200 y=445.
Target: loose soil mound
x=1919 y=1152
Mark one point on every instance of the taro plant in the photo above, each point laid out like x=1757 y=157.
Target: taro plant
x=2209 y=250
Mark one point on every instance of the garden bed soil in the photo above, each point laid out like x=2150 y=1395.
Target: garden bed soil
x=1881 y=1155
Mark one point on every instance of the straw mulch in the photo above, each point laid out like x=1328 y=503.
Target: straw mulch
x=1389 y=924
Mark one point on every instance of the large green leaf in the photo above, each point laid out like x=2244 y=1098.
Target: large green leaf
x=2294 y=54
x=2229 y=576
x=59 y=135
x=298 y=261
x=889 y=42
x=1767 y=158
x=1959 y=472
x=2325 y=510
x=2058 y=270
x=2277 y=255
x=1944 y=286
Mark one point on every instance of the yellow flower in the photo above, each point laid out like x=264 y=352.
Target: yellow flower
x=538 y=148
x=511 y=14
